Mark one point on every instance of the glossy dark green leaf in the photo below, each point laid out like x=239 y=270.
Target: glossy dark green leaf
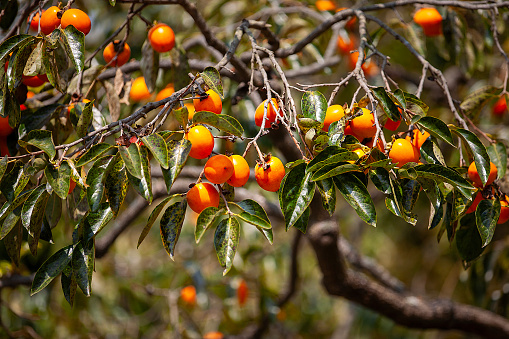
x=396 y=203
x=337 y=132
x=41 y=139
x=415 y=105
x=498 y=155
x=10 y=221
x=468 y=242
x=381 y=179
x=267 y=233
x=329 y=155
x=476 y=149
x=36 y=120
x=13 y=241
x=178 y=151
x=253 y=213
x=431 y=153
x=33 y=65
x=32 y=214
x=85 y=118
x=96 y=178
x=83 y=265
x=410 y=189
x=314 y=105
x=53 y=210
x=386 y=103
x=181 y=114
x=302 y=223
x=228 y=192
x=51 y=268
x=17 y=64
x=144 y=185
x=69 y=284
x=93 y=153
x=332 y=170
x=212 y=78
x=96 y=221
x=59 y=178
x=207 y=218
x=226 y=242
x=149 y=65
x=171 y=225
x=436 y=200
x=55 y=61
x=486 y=217
x=12 y=43
x=116 y=185
x=437 y=128
x=296 y=194
x=74 y=44
x=157 y=146
x=475 y=101
x=14 y=182
x=3 y=166
x=328 y=192
x=222 y=122
x=440 y=173
x=307 y=124
x=132 y=159
x=356 y=194
x=153 y=217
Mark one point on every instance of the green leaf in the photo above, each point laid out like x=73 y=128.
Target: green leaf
x=437 y=128
x=431 y=153
x=314 y=105
x=14 y=182
x=96 y=221
x=149 y=65
x=475 y=101
x=476 y=149
x=486 y=217
x=85 y=119
x=223 y=122
x=33 y=65
x=207 y=218
x=228 y=193
x=74 y=45
x=212 y=78
x=296 y=194
x=116 y=185
x=32 y=214
x=440 y=173
x=96 y=178
x=468 y=242
x=337 y=132
x=267 y=233
x=69 y=284
x=132 y=158
x=59 y=179
x=357 y=195
x=13 y=241
x=157 y=146
x=144 y=185
x=41 y=139
x=181 y=115
x=178 y=151
x=498 y=156
x=381 y=179
x=436 y=200
x=332 y=170
x=12 y=43
x=51 y=268
x=17 y=64
x=330 y=155
x=171 y=225
x=396 y=203
x=53 y=210
x=253 y=213
x=53 y=62
x=83 y=265
x=226 y=241
x=302 y=223
x=153 y=217
x=386 y=103
x=3 y=166
x=415 y=105
x=36 y=120
x=93 y=153
x=328 y=192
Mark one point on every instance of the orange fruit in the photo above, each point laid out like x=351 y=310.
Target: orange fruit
x=403 y=152
x=418 y=138
x=350 y=23
x=50 y=20
x=30 y=94
x=241 y=171
x=213 y=335
x=34 y=81
x=271 y=113
x=504 y=211
x=348 y=131
x=477 y=200
x=188 y=295
x=325 y=5
x=379 y=144
x=212 y=103
x=474 y=175
x=201 y=140
x=4 y=150
x=139 y=90
x=242 y=292
x=218 y=169
x=500 y=107
x=190 y=109
x=364 y=125
x=72 y=185
x=5 y=129
x=162 y=38
x=334 y=113
x=392 y=125
x=430 y=20
x=369 y=68
x=78 y=19
x=201 y=196
x=165 y=92
x=346 y=43
x=34 y=24
x=270 y=179
x=123 y=53
x=360 y=153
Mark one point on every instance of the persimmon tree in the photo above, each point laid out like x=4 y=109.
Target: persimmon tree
x=361 y=101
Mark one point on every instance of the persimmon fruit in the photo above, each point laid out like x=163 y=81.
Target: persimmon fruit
x=201 y=196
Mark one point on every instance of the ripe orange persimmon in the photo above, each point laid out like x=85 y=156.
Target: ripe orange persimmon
x=5 y=128
x=162 y=38
x=212 y=103
x=218 y=169
x=30 y=94
x=418 y=138
x=123 y=53
x=201 y=196
x=34 y=81
x=474 y=175
x=500 y=107
x=504 y=211
x=430 y=20
x=34 y=24
x=270 y=179
x=165 y=92
x=334 y=113
x=71 y=106
x=213 y=335
x=346 y=43
x=78 y=19
x=271 y=113
x=188 y=294
x=360 y=153
x=139 y=90
x=242 y=292
x=325 y=5
x=202 y=142
x=403 y=152
x=72 y=185
x=364 y=125
x=241 y=171
x=392 y=125
x=350 y=23
x=190 y=109
x=348 y=131
x=369 y=68
x=50 y=20
x=477 y=200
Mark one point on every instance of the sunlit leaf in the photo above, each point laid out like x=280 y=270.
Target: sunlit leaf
x=171 y=225
x=314 y=105
x=153 y=217
x=74 y=44
x=486 y=217
x=476 y=149
x=357 y=195
x=178 y=151
x=157 y=146
x=223 y=122
x=498 y=155
x=207 y=218
x=226 y=241
x=41 y=139
x=212 y=78
x=51 y=268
